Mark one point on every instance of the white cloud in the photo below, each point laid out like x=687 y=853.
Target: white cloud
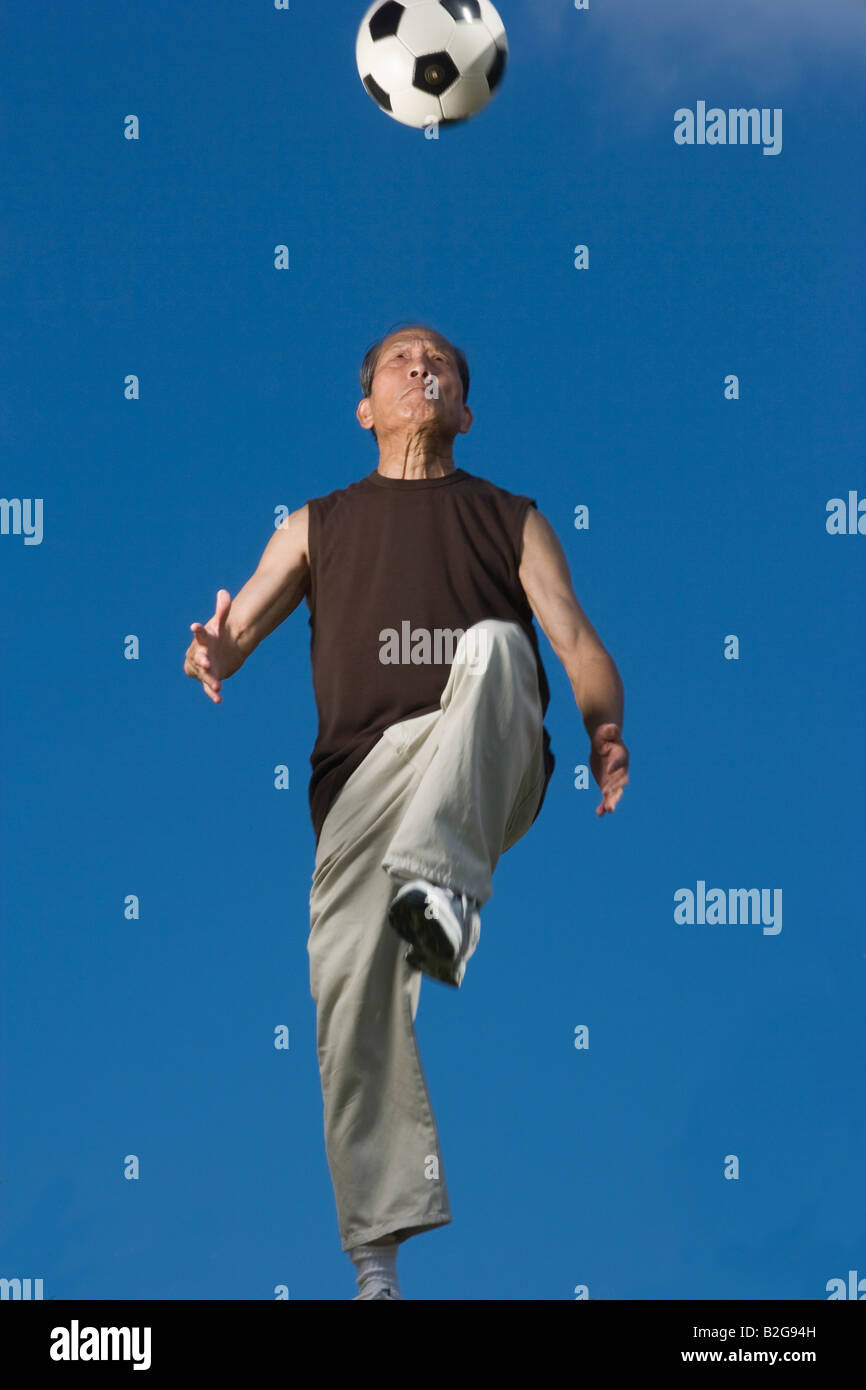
x=674 y=45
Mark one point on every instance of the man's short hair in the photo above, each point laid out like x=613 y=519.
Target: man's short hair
x=371 y=358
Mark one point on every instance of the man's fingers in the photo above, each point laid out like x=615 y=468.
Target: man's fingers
x=611 y=793
x=198 y=662
x=611 y=762
x=223 y=604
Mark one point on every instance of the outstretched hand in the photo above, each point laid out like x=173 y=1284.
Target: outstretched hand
x=608 y=761
x=205 y=655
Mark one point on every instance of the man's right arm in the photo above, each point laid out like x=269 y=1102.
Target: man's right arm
x=277 y=586
x=282 y=577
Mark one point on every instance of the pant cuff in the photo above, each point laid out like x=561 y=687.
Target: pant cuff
x=411 y=1227
x=402 y=867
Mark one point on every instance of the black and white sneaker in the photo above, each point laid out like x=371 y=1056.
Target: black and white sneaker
x=441 y=927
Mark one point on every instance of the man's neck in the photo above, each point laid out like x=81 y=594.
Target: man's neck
x=404 y=462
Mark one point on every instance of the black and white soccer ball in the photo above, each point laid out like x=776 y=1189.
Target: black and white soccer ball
x=425 y=61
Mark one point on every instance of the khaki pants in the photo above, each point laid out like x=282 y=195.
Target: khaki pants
x=441 y=797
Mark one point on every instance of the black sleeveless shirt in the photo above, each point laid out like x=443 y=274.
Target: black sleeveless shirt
x=403 y=554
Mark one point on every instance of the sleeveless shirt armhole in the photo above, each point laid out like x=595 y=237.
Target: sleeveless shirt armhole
x=312 y=551
x=522 y=512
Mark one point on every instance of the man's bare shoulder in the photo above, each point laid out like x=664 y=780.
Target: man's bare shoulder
x=537 y=535
x=296 y=527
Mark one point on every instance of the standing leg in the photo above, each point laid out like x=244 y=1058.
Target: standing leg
x=380 y=1134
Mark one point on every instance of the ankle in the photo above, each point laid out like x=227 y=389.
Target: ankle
x=376 y=1265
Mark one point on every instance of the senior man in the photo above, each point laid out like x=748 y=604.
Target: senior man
x=431 y=757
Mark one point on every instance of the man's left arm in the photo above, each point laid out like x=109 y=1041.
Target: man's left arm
x=595 y=680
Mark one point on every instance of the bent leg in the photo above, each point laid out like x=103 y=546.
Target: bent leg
x=481 y=788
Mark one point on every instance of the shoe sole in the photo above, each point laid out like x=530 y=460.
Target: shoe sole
x=432 y=949
x=426 y=934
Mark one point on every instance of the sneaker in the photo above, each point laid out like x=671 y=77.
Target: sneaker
x=441 y=927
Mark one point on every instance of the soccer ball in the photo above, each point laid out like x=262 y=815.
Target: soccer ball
x=425 y=61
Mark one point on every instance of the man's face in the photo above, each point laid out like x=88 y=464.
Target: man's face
x=404 y=396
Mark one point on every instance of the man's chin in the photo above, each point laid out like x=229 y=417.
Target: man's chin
x=423 y=424
x=421 y=414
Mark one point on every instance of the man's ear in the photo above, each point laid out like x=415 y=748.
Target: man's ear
x=364 y=414
x=466 y=424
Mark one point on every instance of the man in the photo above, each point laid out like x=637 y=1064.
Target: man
x=431 y=757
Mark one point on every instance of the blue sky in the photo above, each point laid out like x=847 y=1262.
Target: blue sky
x=601 y=1167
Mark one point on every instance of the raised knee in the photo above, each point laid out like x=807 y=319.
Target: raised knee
x=496 y=639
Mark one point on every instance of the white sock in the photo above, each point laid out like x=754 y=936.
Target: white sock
x=376 y=1264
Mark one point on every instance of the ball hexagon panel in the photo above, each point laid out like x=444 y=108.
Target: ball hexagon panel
x=471 y=48
x=426 y=29
x=492 y=19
